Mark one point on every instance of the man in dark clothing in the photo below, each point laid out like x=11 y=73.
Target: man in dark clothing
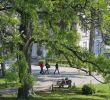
x=47 y=67
x=56 y=68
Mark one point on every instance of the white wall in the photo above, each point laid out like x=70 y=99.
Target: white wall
x=84 y=40
x=34 y=50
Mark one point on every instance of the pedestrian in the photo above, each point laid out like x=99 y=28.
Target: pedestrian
x=56 y=68
x=41 y=67
x=47 y=67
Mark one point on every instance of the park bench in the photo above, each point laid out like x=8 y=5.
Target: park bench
x=61 y=83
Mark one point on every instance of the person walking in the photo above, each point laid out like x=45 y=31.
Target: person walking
x=56 y=68
x=41 y=67
x=47 y=67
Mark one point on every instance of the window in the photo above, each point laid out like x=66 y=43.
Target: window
x=39 y=50
x=98 y=47
x=84 y=30
x=85 y=44
x=97 y=31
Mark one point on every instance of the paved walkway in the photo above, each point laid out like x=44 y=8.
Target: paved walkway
x=44 y=82
x=8 y=91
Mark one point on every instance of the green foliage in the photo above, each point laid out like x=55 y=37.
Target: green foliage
x=88 y=89
x=29 y=79
x=105 y=27
x=41 y=61
x=24 y=77
x=38 y=17
x=11 y=76
x=104 y=64
x=22 y=68
x=61 y=95
x=8 y=19
x=102 y=88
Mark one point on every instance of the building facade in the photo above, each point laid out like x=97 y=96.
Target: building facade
x=85 y=39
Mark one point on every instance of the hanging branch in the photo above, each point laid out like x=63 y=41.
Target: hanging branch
x=70 y=63
x=76 y=53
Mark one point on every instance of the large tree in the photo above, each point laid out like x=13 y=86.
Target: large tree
x=37 y=18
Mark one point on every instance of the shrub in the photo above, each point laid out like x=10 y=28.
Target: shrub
x=88 y=89
x=11 y=76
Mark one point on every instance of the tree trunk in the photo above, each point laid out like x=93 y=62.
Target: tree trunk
x=23 y=92
x=26 y=29
x=92 y=37
x=3 y=69
x=28 y=56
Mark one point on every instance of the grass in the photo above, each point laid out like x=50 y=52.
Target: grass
x=8 y=97
x=2 y=80
x=4 y=84
x=103 y=88
x=102 y=93
x=63 y=96
x=55 y=96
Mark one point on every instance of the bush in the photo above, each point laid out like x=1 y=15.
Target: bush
x=88 y=89
x=11 y=76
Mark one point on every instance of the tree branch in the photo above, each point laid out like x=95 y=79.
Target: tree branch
x=98 y=80
x=61 y=51
x=5 y=8
x=83 y=60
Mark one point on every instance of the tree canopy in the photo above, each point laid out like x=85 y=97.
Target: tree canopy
x=50 y=22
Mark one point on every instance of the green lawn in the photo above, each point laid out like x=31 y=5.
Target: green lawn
x=64 y=96
x=102 y=93
x=4 y=84
x=56 y=96
x=103 y=88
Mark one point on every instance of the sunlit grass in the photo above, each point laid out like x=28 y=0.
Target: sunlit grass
x=103 y=88
x=102 y=93
x=4 y=84
x=64 y=96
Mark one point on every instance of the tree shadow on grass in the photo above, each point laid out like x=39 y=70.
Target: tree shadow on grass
x=103 y=95
x=7 y=98
x=57 y=95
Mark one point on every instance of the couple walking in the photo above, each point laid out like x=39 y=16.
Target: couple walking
x=47 y=68
x=42 y=66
